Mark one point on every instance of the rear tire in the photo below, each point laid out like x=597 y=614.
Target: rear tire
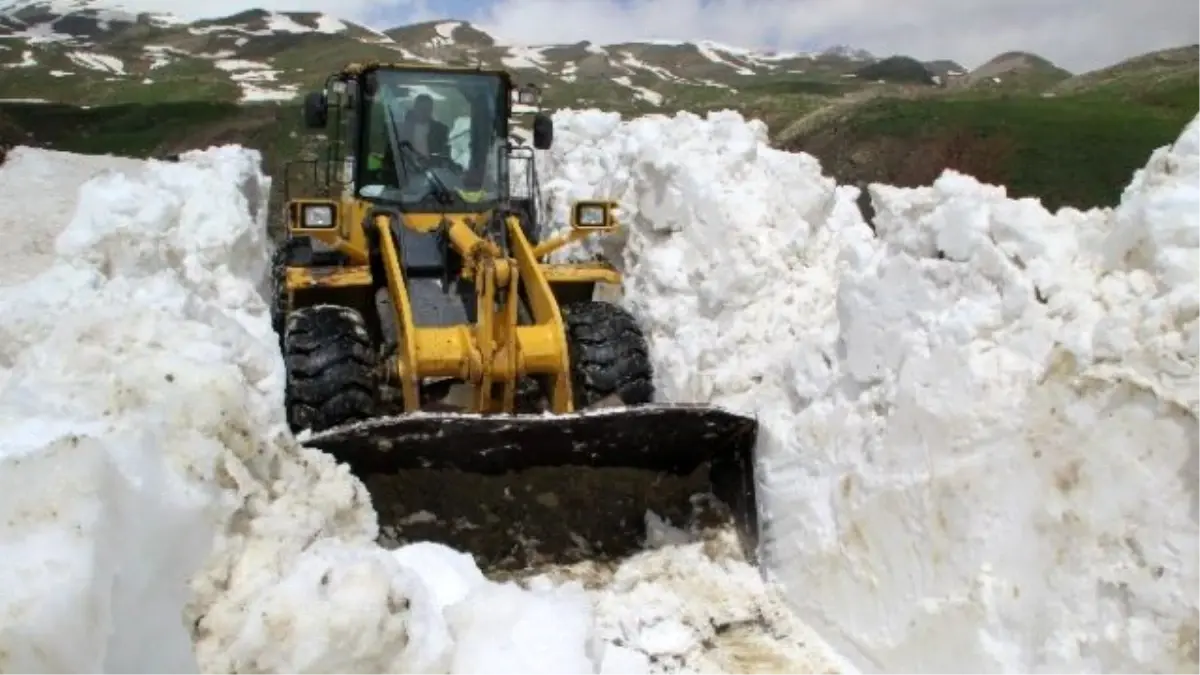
x=278 y=291
x=332 y=368
x=609 y=355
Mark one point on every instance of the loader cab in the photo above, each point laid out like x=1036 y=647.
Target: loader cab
x=430 y=140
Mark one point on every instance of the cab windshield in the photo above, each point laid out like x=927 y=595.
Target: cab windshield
x=433 y=141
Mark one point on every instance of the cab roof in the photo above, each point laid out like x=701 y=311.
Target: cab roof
x=357 y=69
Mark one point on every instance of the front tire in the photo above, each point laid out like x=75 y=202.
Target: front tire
x=332 y=368
x=610 y=360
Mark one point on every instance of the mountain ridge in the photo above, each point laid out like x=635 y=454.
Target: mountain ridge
x=97 y=52
x=150 y=85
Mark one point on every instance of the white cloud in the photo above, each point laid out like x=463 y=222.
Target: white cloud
x=1076 y=34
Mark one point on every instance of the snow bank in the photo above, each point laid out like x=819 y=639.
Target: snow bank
x=29 y=226
x=145 y=463
x=979 y=427
x=978 y=448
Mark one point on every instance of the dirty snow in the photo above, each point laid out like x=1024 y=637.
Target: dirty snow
x=710 y=51
x=42 y=33
x=649 y=95
x=101 y=62
x=232 y=65
x=979 y=428
x=630 y=61
x=446 y=29
x=329 y=24
x=253 y=92
x=525 y=57
x=140 y=394
x=282 y=23
x=27 y=60
x=978 y=444
x=251 y=77
x=276 y=22
x=163 y=55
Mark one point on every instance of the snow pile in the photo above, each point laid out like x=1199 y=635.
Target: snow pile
x=29 y=226
x=978 y=446
x=141 y=412
x=979 y=433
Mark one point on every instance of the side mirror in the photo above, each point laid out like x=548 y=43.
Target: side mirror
x=543 y=131
x=316 y=110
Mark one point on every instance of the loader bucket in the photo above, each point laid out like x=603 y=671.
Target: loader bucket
x=522 y=490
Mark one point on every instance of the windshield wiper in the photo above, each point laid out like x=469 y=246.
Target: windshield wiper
x=440 y=190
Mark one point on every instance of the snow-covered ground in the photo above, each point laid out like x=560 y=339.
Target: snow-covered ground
x=978 y=448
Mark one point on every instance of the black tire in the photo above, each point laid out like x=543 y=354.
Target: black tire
x=609 y=355
x=332 y=374
x=287 y=252
x=278 y=291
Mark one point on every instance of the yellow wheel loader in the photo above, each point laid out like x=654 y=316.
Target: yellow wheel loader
x=487 y=400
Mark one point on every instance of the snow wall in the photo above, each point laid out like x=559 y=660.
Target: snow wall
x=157 y=516
x=979 y=425
x=145 y=445
x=978 y=448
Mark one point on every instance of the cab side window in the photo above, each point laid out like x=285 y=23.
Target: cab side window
x=376 y=162
x=346 y=150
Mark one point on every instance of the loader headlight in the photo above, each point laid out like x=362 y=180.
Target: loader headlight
x=592 y=216
x=317 y=216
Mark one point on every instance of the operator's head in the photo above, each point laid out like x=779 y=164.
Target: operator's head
x=423 y=107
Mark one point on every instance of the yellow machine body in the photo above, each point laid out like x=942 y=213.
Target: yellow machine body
x=396 y=296
x=491 y=354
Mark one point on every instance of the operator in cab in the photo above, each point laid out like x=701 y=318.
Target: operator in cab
x=427 y=135
x=422 y=162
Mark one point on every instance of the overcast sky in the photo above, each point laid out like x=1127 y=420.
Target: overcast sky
x=1076 y=34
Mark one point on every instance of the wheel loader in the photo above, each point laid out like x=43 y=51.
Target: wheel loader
x=485 y=397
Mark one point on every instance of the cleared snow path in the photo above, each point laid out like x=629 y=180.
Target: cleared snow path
x=151 y=498
x=979 y=441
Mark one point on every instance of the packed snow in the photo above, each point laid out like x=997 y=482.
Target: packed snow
x=978 y=444
x=185 y=528
x=979 y=422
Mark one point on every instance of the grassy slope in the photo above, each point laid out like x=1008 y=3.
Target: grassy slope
x=126 y=129
x=1076 y=149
